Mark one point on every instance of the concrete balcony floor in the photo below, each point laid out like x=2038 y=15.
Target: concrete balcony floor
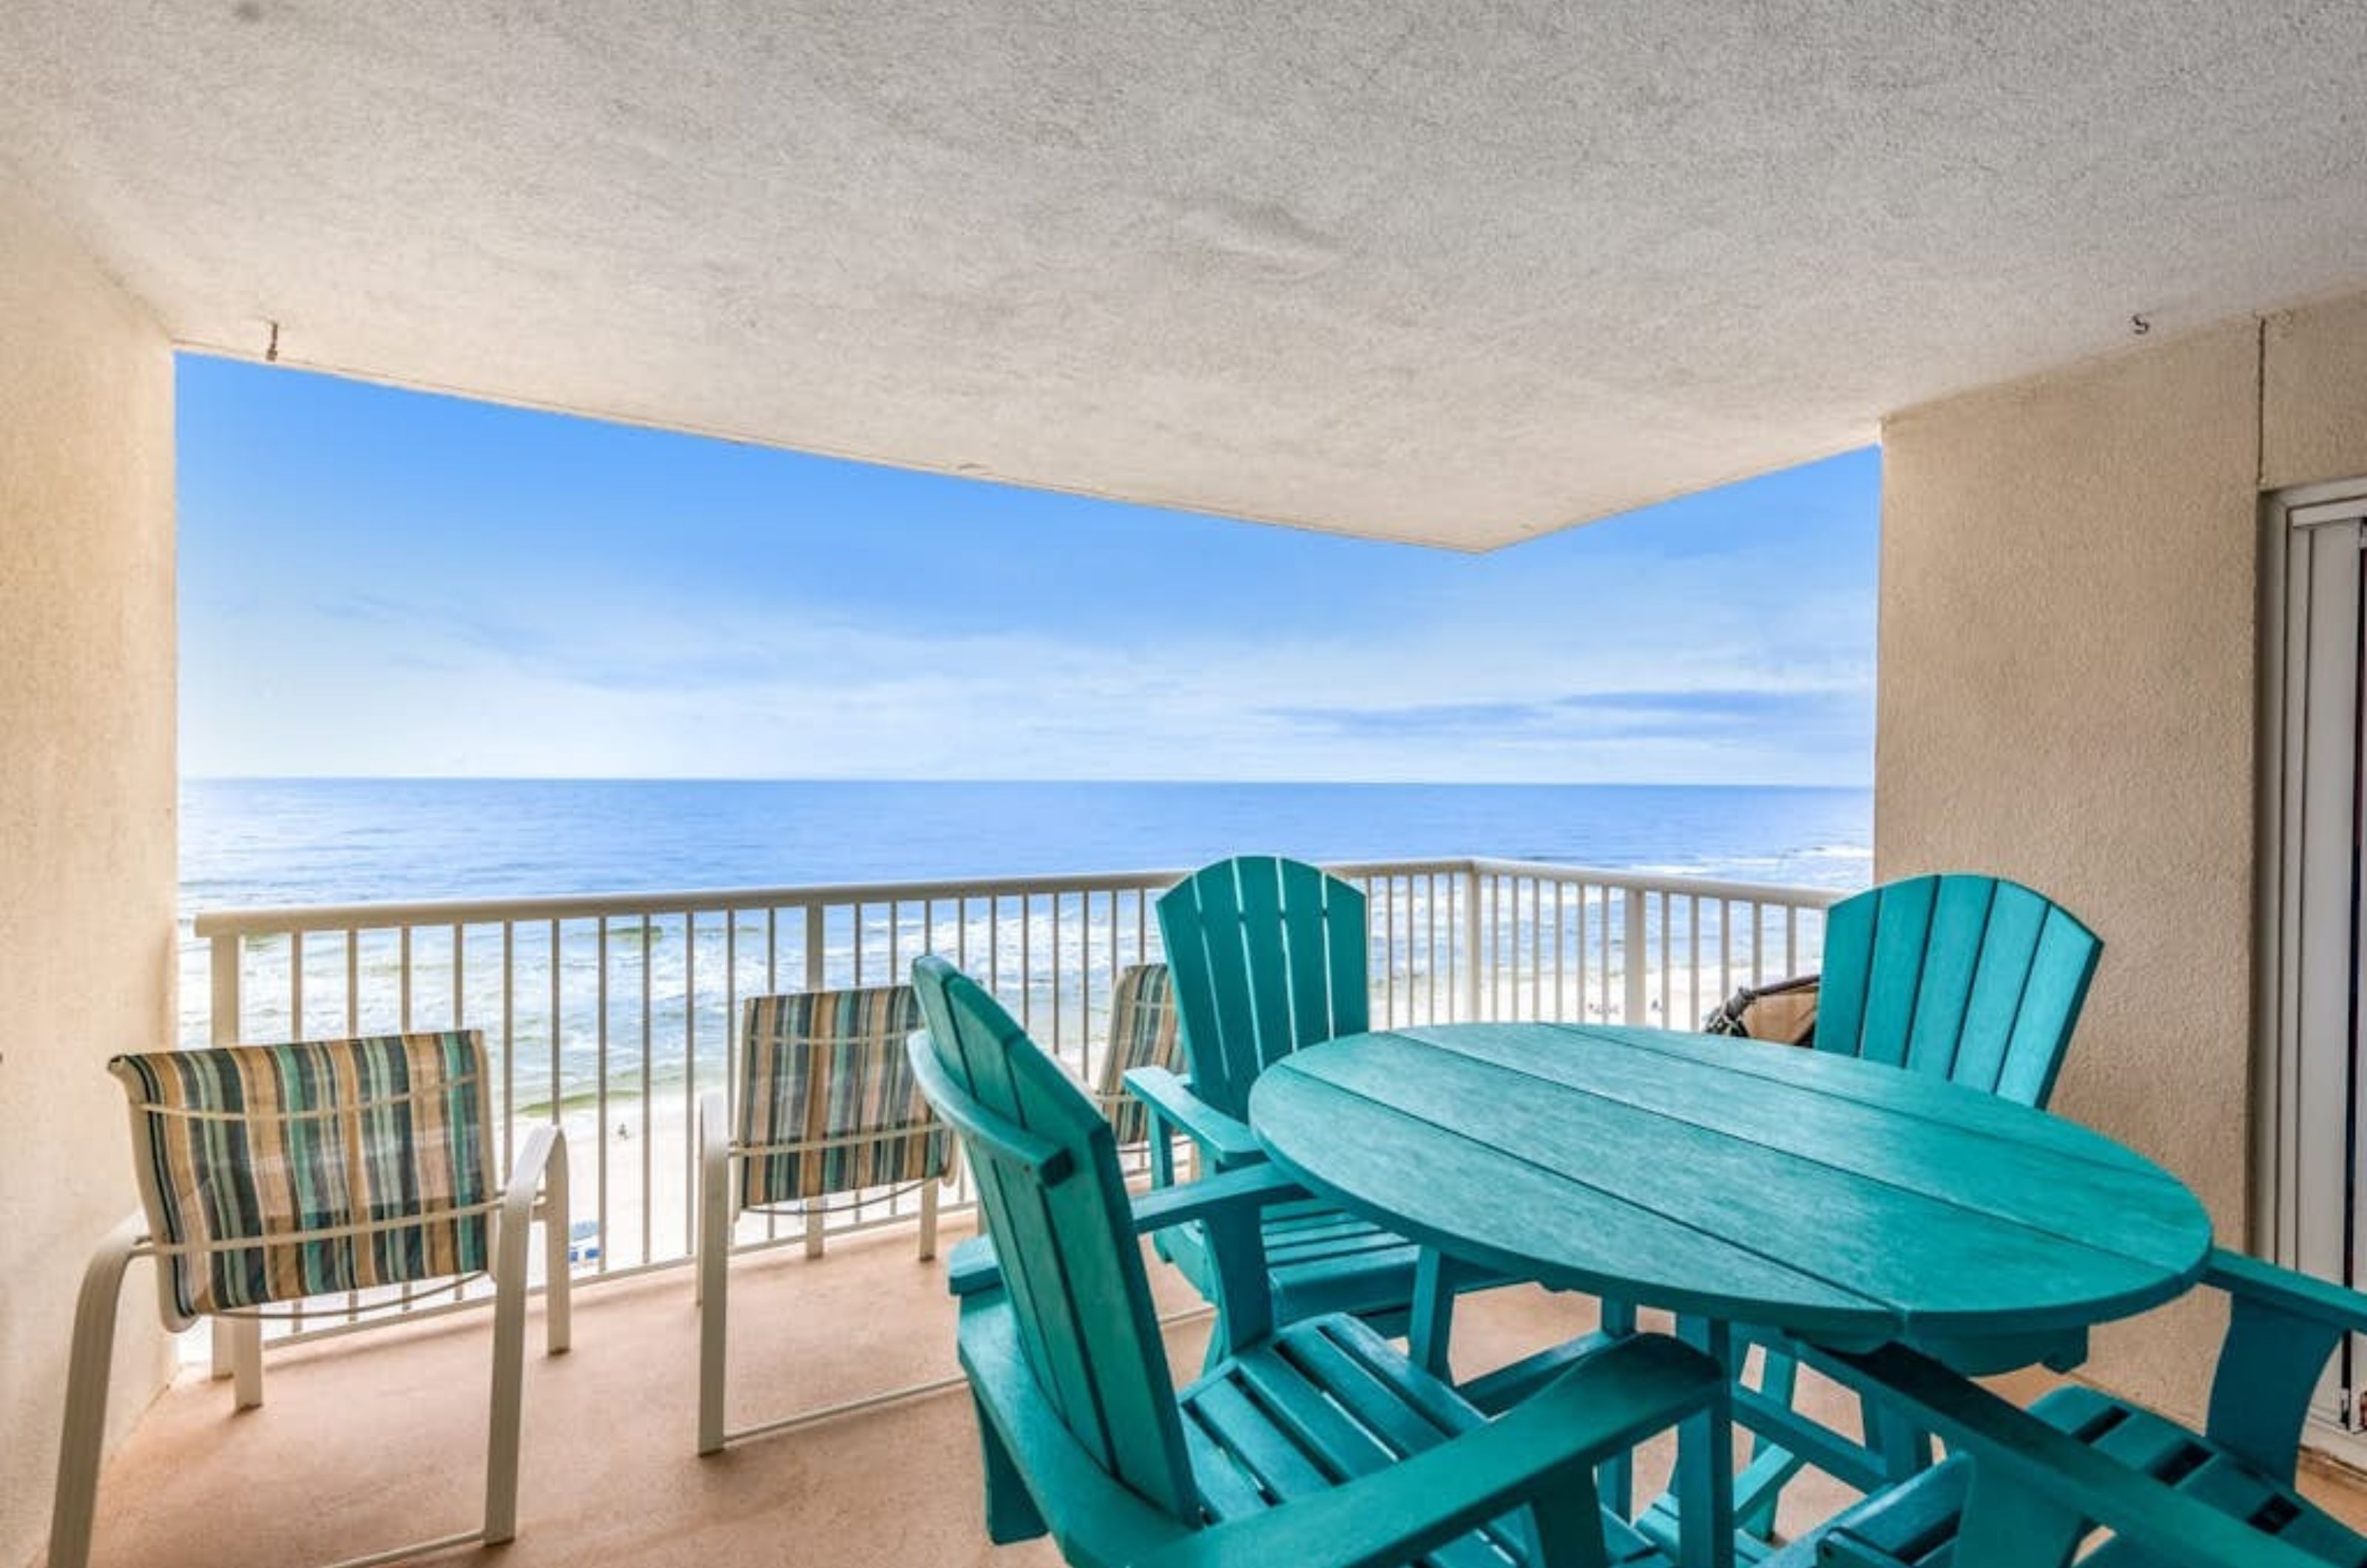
x=368 y=1440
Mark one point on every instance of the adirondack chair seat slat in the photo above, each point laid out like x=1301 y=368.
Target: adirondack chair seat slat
x=1328 y=1399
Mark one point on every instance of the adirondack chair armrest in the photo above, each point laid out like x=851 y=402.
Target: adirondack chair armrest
x=972 y=1268
x=2282 y=1328
x=1544 y=1450
x=1225 y=1199
x=2294 y=1295
x=2022 y=1468
x=1213 y=1196
x=973 y=1265
x=1227 y=1139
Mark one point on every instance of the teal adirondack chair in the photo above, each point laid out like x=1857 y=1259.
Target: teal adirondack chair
x=2024 y=1487
x=1975 y=979
x=1314 y=1444
x=1269 y=956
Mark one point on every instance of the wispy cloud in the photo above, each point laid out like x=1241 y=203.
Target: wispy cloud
x=1602 y=715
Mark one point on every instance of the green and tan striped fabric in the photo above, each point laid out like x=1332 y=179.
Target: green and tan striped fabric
x=247 y=1143
x=1142 y=1034
x=828 y=1068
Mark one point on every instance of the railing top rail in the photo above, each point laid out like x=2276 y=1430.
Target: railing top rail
x=488 y=911
x=1655 y=882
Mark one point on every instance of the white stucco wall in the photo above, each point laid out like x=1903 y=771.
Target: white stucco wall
x=87 y=811
x=2067 y=694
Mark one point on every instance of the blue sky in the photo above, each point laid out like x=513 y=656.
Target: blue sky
x=384 y=582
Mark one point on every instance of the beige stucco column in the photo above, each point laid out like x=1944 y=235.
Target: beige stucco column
x=88 y=797
x=2068 y=677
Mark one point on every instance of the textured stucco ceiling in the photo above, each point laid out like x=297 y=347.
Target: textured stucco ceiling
x=1449 y=271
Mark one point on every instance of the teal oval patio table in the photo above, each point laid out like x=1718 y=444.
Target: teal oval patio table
x=1846 y=1203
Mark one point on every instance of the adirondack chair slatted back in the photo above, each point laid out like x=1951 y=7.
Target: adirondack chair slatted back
x=1063 y=1234
x=1971 y=978
x=1268 y=955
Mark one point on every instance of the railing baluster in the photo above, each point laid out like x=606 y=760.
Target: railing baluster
x=1726 y=956
x=1469 y=957
x=509 y=1041
x=600 y=1104
x=648 y=1042
x=1694 y=924
x=1536 y=946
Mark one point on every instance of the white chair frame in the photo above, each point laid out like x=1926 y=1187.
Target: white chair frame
x=537 y=1191
x=720 y=1210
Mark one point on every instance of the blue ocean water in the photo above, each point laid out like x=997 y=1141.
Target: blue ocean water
x=248 y=842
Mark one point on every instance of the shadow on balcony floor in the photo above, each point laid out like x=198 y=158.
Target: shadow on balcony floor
x=374 y=1440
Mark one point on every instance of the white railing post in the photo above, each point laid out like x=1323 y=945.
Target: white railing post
x=1471 y=976
x=223 y=1029
x=1638 y=1002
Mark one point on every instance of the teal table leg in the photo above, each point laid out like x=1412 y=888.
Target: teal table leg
x=1705 y=1481
x=1615 y=1478
x=1432 y=1321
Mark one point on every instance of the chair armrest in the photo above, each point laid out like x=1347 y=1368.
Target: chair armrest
x=526 y=1176
x=1213 y=1196
x=2282 y=1328
x=2028 y=1478
x=972 y=1266
x=2296 y=1296
x=1541 y=1452
x=1227 y=1139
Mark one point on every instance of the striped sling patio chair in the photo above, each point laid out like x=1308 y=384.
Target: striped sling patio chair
x=1143 y=1033
x=273 y=1175
x=827 y=1109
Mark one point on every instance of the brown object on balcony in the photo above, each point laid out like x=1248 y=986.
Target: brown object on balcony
x=1785 y=1012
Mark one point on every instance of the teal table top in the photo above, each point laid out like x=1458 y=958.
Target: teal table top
x=1842 y=1200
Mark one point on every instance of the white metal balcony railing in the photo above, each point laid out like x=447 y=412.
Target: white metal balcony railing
x=611 y=1015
